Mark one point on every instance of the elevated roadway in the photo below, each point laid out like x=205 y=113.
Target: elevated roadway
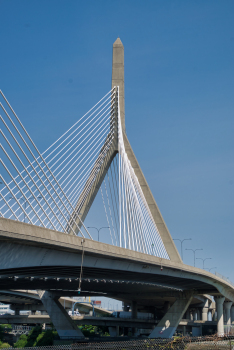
x=35 y=258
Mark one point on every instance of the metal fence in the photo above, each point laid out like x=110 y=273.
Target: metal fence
x=179 y=343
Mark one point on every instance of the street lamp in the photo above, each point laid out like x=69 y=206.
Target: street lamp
x=194 y=252
x=181 y=242
x=99 y=229
x=203 y=260
x=152 y=245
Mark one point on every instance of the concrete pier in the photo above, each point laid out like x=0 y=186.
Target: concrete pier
x=219 y=307
x=60 y=318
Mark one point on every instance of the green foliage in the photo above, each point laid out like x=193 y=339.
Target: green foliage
x=21 y=343
x=94 y=331
x=45 y=338
x=4 y=328
x=36 y=337
x=32 y=336
x=4 y=345
x=88 y=331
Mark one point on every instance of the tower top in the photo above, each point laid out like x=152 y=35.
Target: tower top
x=118 y=76
x=118 y=42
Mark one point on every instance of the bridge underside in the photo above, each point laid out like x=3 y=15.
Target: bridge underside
x=147 y=289
x=36 y=258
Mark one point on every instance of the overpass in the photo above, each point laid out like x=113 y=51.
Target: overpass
x=29 y=300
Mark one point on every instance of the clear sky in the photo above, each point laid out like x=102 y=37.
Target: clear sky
x=55 y=63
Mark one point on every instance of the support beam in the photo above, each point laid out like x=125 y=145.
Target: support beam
x=170 y=321
x=59 y=317
x=219 y=308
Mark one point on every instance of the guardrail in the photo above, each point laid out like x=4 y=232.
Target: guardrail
x=224 y=278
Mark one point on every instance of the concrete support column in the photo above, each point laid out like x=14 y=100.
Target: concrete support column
x=232 y=314
x=191 y=315
x=170 y=321
x=187 y=315
x=59 y=317
x=134 y=315
x=205 y=314
x=195 y=315
x=213 y=315
x=114 y=331
x=125 y=307
x=17 y=311
x=227 y=307
x=219 y=308
x=198 y=314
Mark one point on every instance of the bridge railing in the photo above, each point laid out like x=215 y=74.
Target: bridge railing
x=224 y=278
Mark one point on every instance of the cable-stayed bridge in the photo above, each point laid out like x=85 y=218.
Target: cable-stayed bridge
x=45 y=198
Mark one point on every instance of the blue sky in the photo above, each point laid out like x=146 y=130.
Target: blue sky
x=55 y=64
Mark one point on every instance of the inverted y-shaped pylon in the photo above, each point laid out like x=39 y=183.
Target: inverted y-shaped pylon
x=57 y=188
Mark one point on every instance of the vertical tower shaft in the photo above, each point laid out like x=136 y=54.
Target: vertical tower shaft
x=118 y=80
x=118 y=76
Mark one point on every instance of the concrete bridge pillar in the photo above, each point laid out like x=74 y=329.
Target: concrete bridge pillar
x=114 y=331
x=213 y=315
x=59 y=317
x=191 y=315
x=134 y=309
x=170 y=321
x=205 y=314
x=17 y=311
x=227 y=307
x=198 y=314
x=125 y=307
x=187 y=315
x=195 y=315
x=134 y=315
x=219 y=308
x=232 y=314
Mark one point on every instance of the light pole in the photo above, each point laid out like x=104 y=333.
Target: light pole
x=203 y=260
x=181 y=242
x=152 y=245
x=99 y=229
x=194 y=252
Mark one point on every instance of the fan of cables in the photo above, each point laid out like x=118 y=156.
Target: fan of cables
x=51 y=188
x=42 y=189
x=128 y=215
